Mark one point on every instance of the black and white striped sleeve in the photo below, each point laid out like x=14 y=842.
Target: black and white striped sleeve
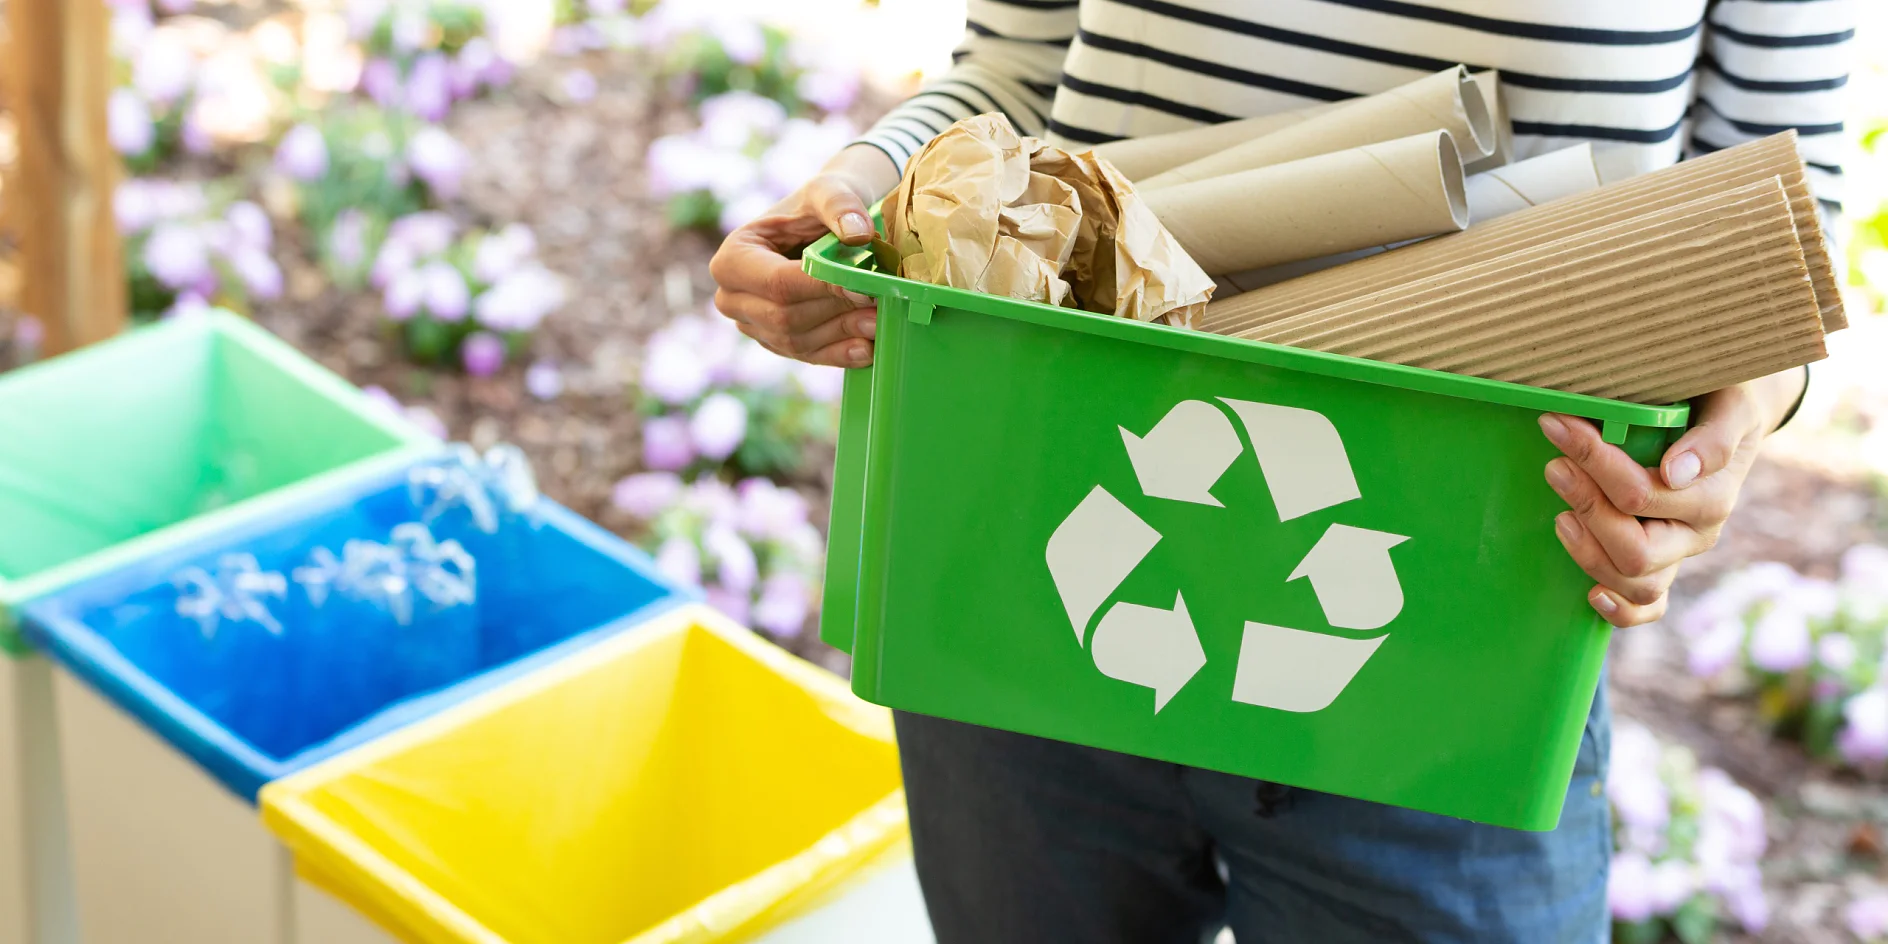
x=1771 y=65
x=1009 y=62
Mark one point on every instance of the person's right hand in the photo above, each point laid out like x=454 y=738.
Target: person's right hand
x=762 y=287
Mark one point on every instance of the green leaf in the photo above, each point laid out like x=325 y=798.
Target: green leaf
x=1649 y=931
x=1696 y=920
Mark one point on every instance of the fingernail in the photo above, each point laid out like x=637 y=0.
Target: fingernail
x=863 y=301
x=868 y=326
x=1568 y=527
x=1683 y=470
x=1558 y=476
x=862 y=354
x=1605 y=603
x=1554 y=428
x=854 y=224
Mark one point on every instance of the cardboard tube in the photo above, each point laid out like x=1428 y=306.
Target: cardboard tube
x=1489 y=81
x=1691 y=298
x=1490 y=194
x=1537 y=180
x=1447 y=101
x=1336 y=202
x=1759 y=160
x=1140 y=158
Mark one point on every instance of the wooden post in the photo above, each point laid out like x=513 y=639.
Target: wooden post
x=60 y=74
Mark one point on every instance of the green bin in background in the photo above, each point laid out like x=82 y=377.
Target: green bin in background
x=1313 y=569
x=119 y=450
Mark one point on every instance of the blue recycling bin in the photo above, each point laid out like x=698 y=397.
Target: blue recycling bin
x=261 y=649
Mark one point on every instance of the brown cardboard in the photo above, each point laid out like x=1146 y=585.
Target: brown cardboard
x=1496 y=98
x=1339 y=202
x=1657 y=307
x=983 y=208
x=1490 y=194
x=1756 y=161
x=1447 y=101
x=1143 y=157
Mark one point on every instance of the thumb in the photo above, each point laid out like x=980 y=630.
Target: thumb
x=1725 y=418
x=841 y=210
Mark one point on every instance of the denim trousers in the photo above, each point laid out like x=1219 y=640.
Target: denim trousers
x=1021 y=840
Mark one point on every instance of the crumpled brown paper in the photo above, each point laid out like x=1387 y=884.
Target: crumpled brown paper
x=986 y=209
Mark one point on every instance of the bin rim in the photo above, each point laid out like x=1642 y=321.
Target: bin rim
x=320 y=843
x=50 y=623
x=410 y=443
x=833 y=262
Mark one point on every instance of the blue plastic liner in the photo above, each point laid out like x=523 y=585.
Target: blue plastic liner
x=252 y=702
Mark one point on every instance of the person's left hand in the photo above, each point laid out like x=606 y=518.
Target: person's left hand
x=1630 y=526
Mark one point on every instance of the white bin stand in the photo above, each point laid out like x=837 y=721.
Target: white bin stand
x=161 y=852
x=879 y=905
x=36 y=904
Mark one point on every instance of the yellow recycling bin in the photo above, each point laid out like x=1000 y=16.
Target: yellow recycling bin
x=682 y=783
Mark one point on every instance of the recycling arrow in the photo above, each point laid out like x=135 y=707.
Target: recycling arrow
x=1185 y=453
x=1153 y=648
x=1092 y=551
x=1355 y=581
x=1182 y=458
x=1301 y=455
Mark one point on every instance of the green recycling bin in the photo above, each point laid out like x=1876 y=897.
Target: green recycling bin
x=1312 y=569
x=121 y=449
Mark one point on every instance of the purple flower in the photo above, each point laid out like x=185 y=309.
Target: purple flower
x=176 y=255
x=801 y=149
x=303 y=154
x=718 y=426
x=176 y=6
x=543 y=380
x=744 y=209
x=382 y=399
x=193 y=134
x=1629 y=887
x=580 y=85
x=1863 y=739
x=677 y=163
x=1717 y=648
x=820 y=383
x=829 y=90
x=347 y=241
x=1867 y=916
x=363 y=16
x=260 y=275
x=768 y=511
x=673 y=373
x=1865 y=568
x=1836 y=652
x=736 y=568
x=128 y=123
x=606 y=7
x=446 y=294
x=740 y=37
x=520 y=300
x=410 y=29
x=1780 y=642
x=404 y=295
x=646 y=494
x=666 y=445
x=134 y=206
x=250 y=224
x=187 y=305
x=730 y=120
x=783 y=605
x=1732 y=815
x=427 y=233
x=427 y=421
x=1672 y=883
x=1634 y=787
x=679 y=560
x=501 y=253
x=429 y=88
x=164 y=67
x=380 y=79
x=729 y=602
x=438 y=159
x=483 y=353
x=470 y=66
x=28 y=334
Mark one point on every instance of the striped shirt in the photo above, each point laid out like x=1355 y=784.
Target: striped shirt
x=1647 y=81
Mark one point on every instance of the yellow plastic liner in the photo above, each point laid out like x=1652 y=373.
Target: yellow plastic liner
x=683 y=783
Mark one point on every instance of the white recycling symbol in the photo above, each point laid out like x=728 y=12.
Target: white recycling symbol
x=1302 y=458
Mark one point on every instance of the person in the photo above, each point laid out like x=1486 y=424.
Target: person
x=1020 y=839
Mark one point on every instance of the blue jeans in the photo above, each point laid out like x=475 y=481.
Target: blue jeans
x=1021 y=840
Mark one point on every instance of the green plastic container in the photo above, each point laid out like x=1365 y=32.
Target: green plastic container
x=1052 y=522
x=146 y=439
